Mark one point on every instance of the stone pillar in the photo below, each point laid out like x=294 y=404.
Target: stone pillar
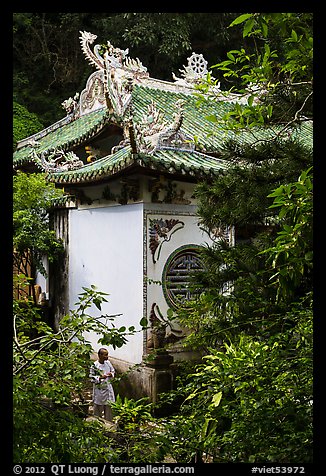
x=161 y=373
x=149 y=379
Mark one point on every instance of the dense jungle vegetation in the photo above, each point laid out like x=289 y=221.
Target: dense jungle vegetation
x=250 y=399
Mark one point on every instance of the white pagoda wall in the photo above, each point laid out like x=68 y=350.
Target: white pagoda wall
x=186 y=233
x=106 y=250
x=109 y=248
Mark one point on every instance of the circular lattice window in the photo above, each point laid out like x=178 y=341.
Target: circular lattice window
x=176 y=277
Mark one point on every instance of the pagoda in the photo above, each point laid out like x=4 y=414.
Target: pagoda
x=129 y=153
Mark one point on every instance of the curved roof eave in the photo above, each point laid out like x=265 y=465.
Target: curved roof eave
x=187 y=163
x=66 y=137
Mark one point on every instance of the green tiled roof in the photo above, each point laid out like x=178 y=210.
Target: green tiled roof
x=190 y=163
x=209 y=137
x=66 y=136
x=195 y=122
x=303 y=132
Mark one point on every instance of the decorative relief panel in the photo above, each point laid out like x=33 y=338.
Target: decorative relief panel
x=93 y=96
x=167 y=191
x=168 y=261
x=128 y=190
x=160 y=231
x=176 y=274
x=219 y=233
x=57 y=161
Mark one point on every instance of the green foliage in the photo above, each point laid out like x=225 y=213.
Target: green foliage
x=136 y=430
x=130 y=413
x=247 y=285
x=254 y=397
x=250 y=400
x=29 y=322
x=32 y=237
x=50 y=373
x=43 y=434
x=25 y=123
x=283 y=48
x=275 y=76
x=239 y=196
x=292 y=254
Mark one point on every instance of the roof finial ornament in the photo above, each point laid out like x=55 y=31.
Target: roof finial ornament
x=197 y=65
x=87 y=39
x=115 y=56
x=194 y=72
x=70 y=105
x=153 y=132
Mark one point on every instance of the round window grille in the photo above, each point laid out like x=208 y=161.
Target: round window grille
x=176 y=278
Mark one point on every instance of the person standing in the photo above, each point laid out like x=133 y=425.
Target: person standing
x=101 y=372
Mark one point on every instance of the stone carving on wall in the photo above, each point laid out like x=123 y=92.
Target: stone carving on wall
x=108 y=195
x=130 y=190
x=218 y=233
x=172 y=192
x=162 y=330
x=161 y=231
